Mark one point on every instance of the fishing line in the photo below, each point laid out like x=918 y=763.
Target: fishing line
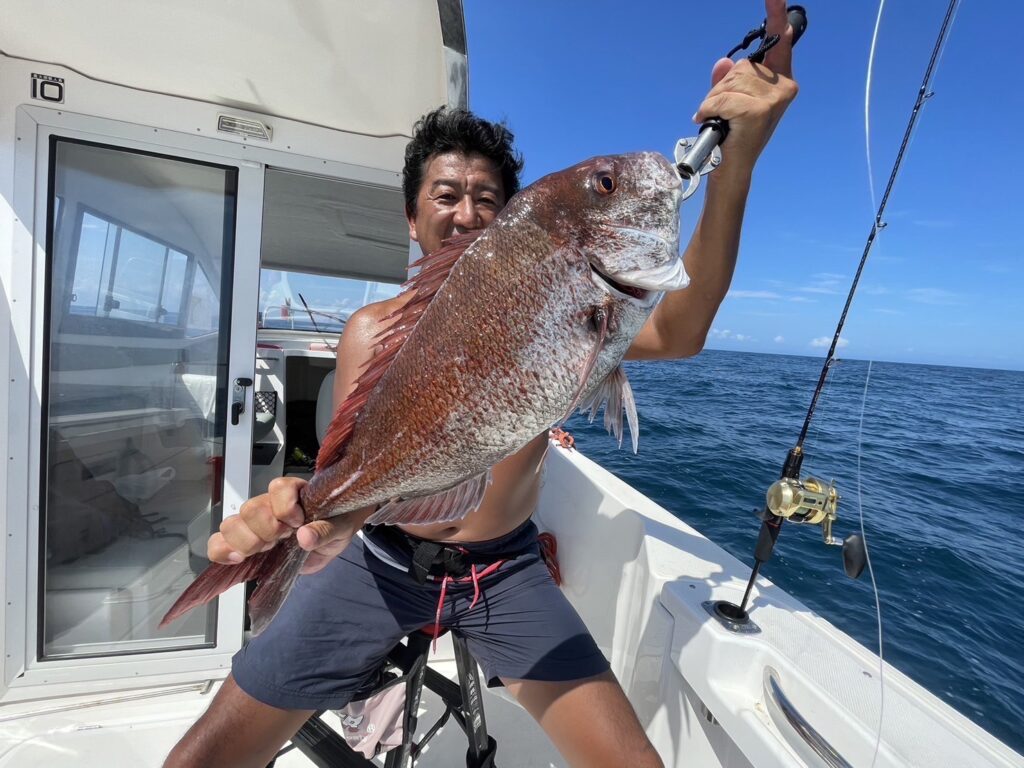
x=923 y=94
x=867 y=104
x=772 y=521
x=871 y=571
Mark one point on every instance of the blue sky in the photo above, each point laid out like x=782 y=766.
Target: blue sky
x=944 y=282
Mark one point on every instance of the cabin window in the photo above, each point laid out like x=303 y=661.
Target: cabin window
x=140 y=258
x=123 y=274
x=301 y=301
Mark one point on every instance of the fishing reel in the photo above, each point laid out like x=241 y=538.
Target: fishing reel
x=809 y=500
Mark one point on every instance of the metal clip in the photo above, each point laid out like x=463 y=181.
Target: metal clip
x=687 y=153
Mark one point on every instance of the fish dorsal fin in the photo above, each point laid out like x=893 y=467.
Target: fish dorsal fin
x=423 y=286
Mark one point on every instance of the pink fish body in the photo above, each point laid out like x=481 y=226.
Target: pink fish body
x=507 y=333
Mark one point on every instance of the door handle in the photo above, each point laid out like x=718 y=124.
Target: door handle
x=238 y=402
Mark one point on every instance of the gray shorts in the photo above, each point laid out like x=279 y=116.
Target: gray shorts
x=337 y=625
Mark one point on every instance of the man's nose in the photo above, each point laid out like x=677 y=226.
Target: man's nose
x=466 y=215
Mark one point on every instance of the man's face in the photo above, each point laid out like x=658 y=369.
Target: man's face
x=459 y=193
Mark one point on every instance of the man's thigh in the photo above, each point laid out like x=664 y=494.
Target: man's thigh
x=590 y=722
x=332 y=633
x=524 y=628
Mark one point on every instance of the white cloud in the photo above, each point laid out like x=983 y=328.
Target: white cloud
x=936 y=296
x=724 y=333
x=753 y=295
x=779 y=339
x=874 y=289
x=824 y=341
x=824 y=282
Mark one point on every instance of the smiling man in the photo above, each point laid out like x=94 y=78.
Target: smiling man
x=360 y=595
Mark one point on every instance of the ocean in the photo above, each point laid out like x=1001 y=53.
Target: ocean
x=941 y=479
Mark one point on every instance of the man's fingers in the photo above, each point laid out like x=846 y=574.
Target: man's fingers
x=723 y=105
x=322 y=555
x=720 y=70
x=320 y=533
x=239 y=536
x=780 y=58
x=284 y=500
x=219 y=551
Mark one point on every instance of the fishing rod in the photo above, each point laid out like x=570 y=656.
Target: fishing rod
x=808 y=500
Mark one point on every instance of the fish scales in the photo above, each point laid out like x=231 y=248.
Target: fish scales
x=532 y=320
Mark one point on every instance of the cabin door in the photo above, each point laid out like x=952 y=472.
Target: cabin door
x=144 y=289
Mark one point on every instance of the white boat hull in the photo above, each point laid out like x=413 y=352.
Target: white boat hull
x=639 y=577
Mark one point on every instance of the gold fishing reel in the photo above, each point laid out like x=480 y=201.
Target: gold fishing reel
x=810 y=500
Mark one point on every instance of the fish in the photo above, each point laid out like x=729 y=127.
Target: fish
x=506 y=333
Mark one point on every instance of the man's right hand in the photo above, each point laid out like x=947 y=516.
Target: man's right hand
x=265 y=520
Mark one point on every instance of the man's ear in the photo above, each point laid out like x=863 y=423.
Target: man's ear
x=411 y=218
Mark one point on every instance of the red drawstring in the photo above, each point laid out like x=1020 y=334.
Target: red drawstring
x=549 y=553
x=475 y=577
x=437 y=616
x=476 y=585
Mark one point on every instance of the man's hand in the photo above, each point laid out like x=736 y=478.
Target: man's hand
x=752 y=97
x=265 y=520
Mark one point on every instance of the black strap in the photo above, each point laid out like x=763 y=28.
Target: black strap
x=432 y=558
x=423 y=556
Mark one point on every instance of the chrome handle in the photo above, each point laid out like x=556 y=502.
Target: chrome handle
x=811 y=744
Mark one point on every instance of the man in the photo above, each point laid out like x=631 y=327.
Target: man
x=356 y=598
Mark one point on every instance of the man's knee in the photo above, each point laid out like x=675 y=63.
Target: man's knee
x=647 y=757
x=235 y=730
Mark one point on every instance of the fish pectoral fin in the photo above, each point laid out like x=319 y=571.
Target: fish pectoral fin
x=452 y=504
x=617 y=397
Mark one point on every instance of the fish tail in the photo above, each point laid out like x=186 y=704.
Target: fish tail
x=276 y=581
x=279 y=567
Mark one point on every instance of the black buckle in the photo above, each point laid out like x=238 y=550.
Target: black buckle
x=423 y=555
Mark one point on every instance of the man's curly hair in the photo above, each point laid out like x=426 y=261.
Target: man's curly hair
x=447 y=130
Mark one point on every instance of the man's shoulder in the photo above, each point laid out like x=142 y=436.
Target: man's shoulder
x=372 y=315
x=367 y=322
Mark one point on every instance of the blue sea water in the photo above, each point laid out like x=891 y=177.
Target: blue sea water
x=941 y=478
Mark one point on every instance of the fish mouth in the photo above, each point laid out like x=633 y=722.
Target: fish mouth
x=642 y=286
x=670 y=276
x=633 y=293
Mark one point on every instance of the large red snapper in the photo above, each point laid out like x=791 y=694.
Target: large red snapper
x=507 y=333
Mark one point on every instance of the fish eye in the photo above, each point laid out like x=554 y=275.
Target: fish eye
x=604 y=183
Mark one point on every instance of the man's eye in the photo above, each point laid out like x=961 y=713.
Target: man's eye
x=489 y=201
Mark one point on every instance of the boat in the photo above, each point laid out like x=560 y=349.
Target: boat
x=154 y=158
